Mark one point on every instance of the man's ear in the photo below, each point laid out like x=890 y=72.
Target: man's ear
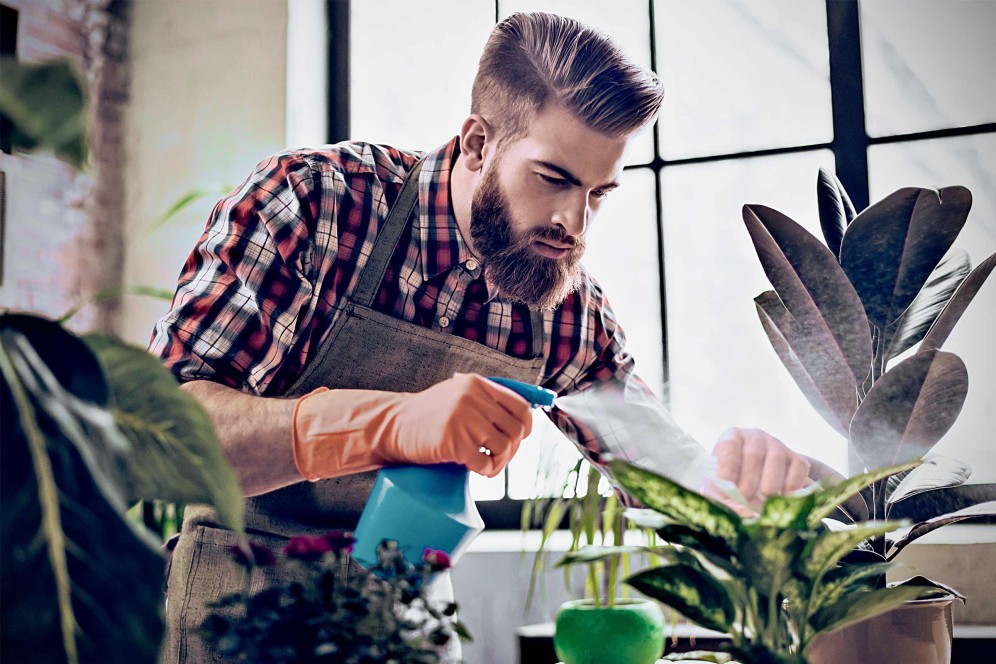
x=476 y=140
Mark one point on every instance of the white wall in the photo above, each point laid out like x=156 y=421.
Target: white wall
x=208 y=103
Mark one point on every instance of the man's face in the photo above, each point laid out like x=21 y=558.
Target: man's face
x=530 y=212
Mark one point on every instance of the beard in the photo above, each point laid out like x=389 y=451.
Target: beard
x=516 y=270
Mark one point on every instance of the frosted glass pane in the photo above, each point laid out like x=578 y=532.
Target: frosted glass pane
x=927 y=64
x=627 y=22
x=723 y=370
x=623 y=256
x=742 y=76
x=411 y=68
x=969 y=161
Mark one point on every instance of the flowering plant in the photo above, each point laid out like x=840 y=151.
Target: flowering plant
x=380 y=614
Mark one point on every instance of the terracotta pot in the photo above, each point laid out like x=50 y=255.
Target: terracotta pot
x=917 y=632
x=630 y=632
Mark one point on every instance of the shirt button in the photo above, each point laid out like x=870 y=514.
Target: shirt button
x=471 y=264
x=444 y=321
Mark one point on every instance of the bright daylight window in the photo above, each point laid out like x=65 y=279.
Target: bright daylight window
x=752 y=111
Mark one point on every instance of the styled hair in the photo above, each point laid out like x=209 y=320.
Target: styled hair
x=532 y=59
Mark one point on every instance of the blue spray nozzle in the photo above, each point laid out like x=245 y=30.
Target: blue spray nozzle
x=537 y=396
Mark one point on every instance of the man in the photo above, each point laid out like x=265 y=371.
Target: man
x=343 y=304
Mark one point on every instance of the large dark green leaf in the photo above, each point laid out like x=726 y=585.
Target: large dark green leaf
x=45 y=106
x=891 y=248
x=814 y=289
x=980 y=511
x=928 y=304
x=677 y=503
x=80 y=582
x=850 y=609
x=909 y=409
x=936 y=472
x=176 y=456
x=811 y=364
x=694 y=593
x=836 y=209
x=956 y=306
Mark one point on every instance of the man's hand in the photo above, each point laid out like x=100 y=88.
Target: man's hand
x=758 y=464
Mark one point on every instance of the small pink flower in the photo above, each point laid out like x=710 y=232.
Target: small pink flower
x=340 y=540
x=436 y=560
x=306 y=547
x=258 y=555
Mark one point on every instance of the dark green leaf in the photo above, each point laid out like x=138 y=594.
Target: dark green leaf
x=814 y=289
x=45 y=104
x=890 y=249
x=936 y=472
x=176 y=456
x=694 y=593
x=828 y=499
x=850 y=609
x=65 y=545
x=810 y=362
x=909 y=409
x=830 y=547
x=787 y=511
x=956 y=306
x=982 y=510
x=836 y=210
x=678 y=503
x=913 y=324
x=848 y=578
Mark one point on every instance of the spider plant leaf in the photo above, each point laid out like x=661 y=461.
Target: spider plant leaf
x=936 y=472
x=890 y=249
x=677 y=503
x=828 y=499
x=692 y=591
x=956 y=306
x=811 y=364
x=980 y=511
x=814 y=289
x=176 y=456
x=912 y=326
x=909 y=409
x=591 y=553
x=836 y=209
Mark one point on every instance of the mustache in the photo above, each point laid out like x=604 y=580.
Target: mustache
x=556 y=234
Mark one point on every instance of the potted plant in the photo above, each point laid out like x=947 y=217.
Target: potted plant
x=844 y=318
x=772 y=582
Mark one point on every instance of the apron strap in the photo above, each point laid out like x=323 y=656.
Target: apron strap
x=387 y=240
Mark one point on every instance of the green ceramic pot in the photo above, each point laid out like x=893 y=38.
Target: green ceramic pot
x=630 y=632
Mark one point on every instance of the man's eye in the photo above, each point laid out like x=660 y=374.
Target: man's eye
x=599 y=193
x=556 y=182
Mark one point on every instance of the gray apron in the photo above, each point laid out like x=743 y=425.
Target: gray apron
x=365 y=349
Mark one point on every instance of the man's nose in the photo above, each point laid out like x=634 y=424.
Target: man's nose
x=573 y=216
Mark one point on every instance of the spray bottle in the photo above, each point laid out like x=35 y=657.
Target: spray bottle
x=427 y=506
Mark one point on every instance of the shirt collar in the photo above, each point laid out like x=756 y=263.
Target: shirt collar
x=441 y=244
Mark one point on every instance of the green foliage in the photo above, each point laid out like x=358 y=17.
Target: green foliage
x=885 y=280
x=45 y=107
x=82 y=582
x=774 y=581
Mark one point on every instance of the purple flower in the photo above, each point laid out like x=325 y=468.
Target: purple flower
x=340 y=540
x=257 y=555
x=306 y=547
x=436 y=560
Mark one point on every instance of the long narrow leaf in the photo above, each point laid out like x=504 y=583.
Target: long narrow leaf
x=811 y=284
x=833 y=213
x=830 y=547
x=909 y=409
x=828 y=499
x=956 y=306
x=849 y=610
x=928 y=304
x=890 y=249
x=936 y=472
x=811 y=364
x=980 y=511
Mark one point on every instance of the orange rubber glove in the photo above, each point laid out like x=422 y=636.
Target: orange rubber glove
x=341 y=432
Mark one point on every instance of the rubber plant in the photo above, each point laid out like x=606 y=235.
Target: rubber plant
x=90 y=425
x=772 y=582
x=859 y=321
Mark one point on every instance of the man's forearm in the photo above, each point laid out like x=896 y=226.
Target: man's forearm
x=254 y=432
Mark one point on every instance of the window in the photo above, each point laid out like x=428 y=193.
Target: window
x=760 y=95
